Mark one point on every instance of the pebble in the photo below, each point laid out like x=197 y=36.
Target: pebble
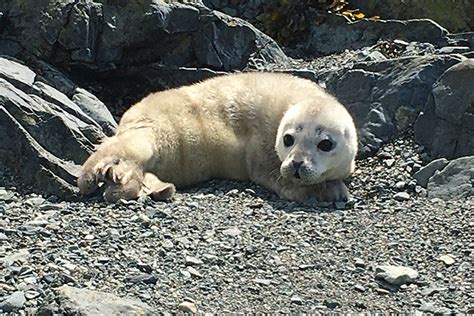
x=6 y=195
x=13 y=302
x=142 y=278
x=194 y=272
x=447 y=259
x=359 y=288
x=295 y=299
x=396 y=275
x=401 y=196
x=432 y=290
x=234 y=231
x=428 y=307
x=35 y=201
x=400 y=185
x=192 y=261
x=188 y=307
x=389 y=162
x=359 y=263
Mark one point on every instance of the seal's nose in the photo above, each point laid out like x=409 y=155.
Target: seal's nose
x=297 y=164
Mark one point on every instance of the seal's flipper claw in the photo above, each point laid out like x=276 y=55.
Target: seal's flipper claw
x=157 y=189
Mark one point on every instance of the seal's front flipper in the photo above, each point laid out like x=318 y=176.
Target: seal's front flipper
x=333 y=191
x=157 y=189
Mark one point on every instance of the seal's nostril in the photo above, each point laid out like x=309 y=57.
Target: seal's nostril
x=297 y=164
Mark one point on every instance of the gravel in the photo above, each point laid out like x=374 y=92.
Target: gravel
x=227 y=246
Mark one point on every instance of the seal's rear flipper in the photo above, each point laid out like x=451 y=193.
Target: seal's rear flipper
x=157 y=189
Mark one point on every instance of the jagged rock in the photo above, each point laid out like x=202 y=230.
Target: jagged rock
x=454 y=15
x=13 y=302
x=446 y=125
x=396 y=275
x=104 y=35
x=424 y=174
x=86 y=302
x=48 y=134
x=338 y=33
x=454 y=181
x=385 y=97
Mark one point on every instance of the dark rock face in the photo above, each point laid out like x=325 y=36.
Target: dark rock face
x=105 y=35
x=385 y=97
x=50 y=134
x=446 y=125
x=338 y=33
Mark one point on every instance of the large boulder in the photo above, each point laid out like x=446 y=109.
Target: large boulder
x=454 y=15
x=385 y=96
x=455 y=181
x=105 y=35
x=446 y=125
x=338 y=33
x=45 y=134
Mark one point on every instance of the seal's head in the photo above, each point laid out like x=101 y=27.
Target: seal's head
x=316 y=142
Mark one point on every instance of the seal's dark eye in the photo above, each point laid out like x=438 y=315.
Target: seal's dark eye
x=288 y=140
x=325 y=145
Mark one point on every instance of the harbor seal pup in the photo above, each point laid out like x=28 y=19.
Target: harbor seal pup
x=280 y=131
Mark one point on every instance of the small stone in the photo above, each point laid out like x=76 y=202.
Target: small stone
x=188 y=307
x=359 y=288
x=142 y=278
x=396 y=275
x=359 y=263
x=389 y=162
x=295 y=299
x=401 y=196
x=400 y=185
x=331 y=304
x=186 y=274
x=6 y=195
x=382 y=291
x=35 y=201
x=447 y=259
x=89 y=237
x=234 y=231
x=192 y=261
x=432 y=290
x=13 y=302
x=428 y=307
x=194 y=272
x=262 y=281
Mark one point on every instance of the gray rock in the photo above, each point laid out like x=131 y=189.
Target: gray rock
x=188 y=307
x=97 y=110
x=192 y=261
x=233 y=231
x=401 y=196
x=384 y=97
x=455 y=181
x=86 y=302
x=15 y=301
x=445 y=126
x=103 y=36
x=49 y=134
x=424 y=174
x=338 y=33
x=447 y=260
x=396 y=275
x=142 y=278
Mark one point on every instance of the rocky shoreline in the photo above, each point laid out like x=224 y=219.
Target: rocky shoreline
x=68 y=69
